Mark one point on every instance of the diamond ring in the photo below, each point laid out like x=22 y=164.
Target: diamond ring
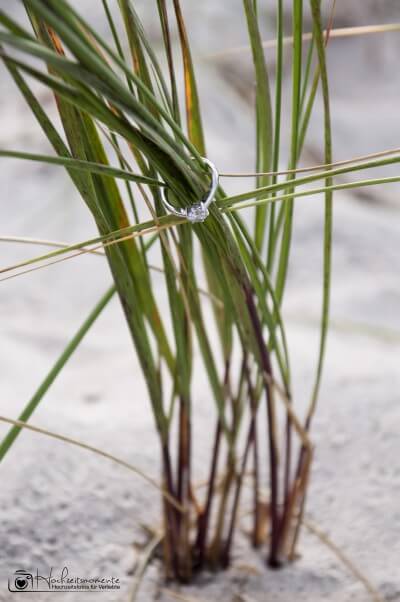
x=197 y=212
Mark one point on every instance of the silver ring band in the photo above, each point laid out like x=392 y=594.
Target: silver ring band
x=197 y=212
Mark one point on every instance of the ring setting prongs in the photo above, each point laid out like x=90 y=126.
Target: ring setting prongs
x=197 y=212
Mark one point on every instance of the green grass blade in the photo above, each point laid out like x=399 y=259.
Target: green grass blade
x=125 y=261
x=163 y=13
x=181 y=325
x=196 y=136
x=113 y=29
x=140 y=45
x=265 y=191
x=277 y=126
x=71 y=25
x=327 y=259
x=315 y=191
x=80 y=165
x=262 y=290
x=27 y=412
x=140 y=66
x=296 y=98
x=193 y=113
x=170 y=221
x=264 y=127
x=172 y=170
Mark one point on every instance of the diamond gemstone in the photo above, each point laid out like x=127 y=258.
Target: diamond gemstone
x=197 y=212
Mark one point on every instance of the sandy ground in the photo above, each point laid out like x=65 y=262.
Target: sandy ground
x=61 y=506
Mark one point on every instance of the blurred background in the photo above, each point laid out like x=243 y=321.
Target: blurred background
x=62 y=506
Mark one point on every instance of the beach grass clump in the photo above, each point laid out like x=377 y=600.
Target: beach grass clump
x=127 y=135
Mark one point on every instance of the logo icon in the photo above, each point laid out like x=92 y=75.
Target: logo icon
x=21 y=581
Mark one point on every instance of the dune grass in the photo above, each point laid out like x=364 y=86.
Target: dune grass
x=119 y=106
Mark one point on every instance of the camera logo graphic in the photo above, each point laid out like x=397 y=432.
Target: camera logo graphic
x=22 y=581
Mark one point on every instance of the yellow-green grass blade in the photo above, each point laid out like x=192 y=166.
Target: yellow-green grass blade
x=109 y=239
